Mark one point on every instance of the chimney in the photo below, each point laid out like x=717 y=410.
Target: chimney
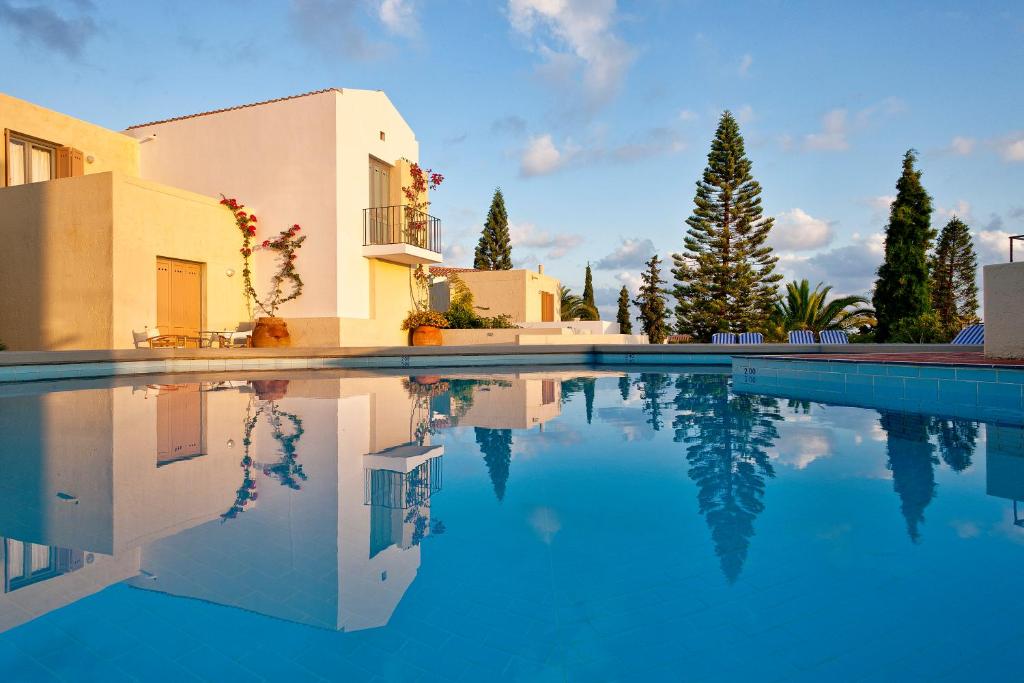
x=540 y=269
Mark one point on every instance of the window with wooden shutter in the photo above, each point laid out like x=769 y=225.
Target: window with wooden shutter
x=29 y=160
x=70 y=162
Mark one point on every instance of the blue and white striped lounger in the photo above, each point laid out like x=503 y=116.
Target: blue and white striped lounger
x=801 y=336
x=751 y=338
x=723 y=338
x=833 y=337
x=975 y=334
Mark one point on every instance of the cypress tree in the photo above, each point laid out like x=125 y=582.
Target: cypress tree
x=651 y=302
x=953 y=271
x=494 y=251
x=588 y=292
x=725 y=277
x=622 y=317
x=901 y=290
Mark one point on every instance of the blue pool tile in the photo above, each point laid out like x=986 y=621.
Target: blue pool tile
x=899 y=370
x=1005 y=375
x=917 y=388
x=936 y=372
x=1001 y=395
x=976 y=374
x=957 y=391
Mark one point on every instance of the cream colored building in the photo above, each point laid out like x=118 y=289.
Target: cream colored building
x=525 y=296
x=92 y=251
x=109 y=233
x=333 y=161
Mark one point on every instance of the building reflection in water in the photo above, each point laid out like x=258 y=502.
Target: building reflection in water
x=1004 y=467
x=328 y=484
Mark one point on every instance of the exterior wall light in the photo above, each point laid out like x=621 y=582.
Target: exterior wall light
x=230 y=272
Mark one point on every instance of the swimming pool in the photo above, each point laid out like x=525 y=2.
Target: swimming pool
x=559 y=523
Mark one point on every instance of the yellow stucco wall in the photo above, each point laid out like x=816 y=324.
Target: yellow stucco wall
x=80 y=270
x=56 y=284
x=153 y=220
x=110 y=151
x=515 y=293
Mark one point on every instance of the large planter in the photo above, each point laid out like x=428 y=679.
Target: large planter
x=271 y=333
x=426 y=335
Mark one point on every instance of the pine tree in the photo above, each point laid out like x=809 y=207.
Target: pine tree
x=496 y=446
x=494 y=251
x=588 y=292
x=953 y=272
x=725 y=278
x=651 y=302
x=901 y=290
x=622 y=317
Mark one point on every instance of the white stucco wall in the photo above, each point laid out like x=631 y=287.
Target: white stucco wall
x=1004 y=324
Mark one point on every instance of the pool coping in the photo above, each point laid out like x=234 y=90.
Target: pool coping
x=21 y=366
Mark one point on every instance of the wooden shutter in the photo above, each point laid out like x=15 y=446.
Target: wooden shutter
x=70 y=162
x=179 y=423
x=179 y=292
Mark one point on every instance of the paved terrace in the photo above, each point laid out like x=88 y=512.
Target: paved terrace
x=928 y=357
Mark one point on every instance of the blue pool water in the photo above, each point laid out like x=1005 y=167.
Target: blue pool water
x=549 y=524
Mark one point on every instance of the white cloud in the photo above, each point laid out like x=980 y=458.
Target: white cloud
x=850 y=269
x=527 y=236
x=576 y=35
x=797 y=230
x=992 y=246
x=744 y=114
x=541 y=157
x=399 y=16
x=631 y=253
x=545 y=523
x=1012 y=147
x=962 y=210
x=687 y=115
x=631 y=280
x=962 y=146
x=745 y=64
x=833 y=135
x=454 y=254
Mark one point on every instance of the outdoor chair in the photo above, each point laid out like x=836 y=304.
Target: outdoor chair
x=801 y=336
x=154 y=340
x=974 y=334
x=240 y=337
x=833 y=337
x=751 y=338
x=723 y=338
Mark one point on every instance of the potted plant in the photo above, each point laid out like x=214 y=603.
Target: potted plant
x=425 y=326
x=270 y=330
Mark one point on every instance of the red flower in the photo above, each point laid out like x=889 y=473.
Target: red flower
x=252 y=218
x=252 y=229
x=266 y=243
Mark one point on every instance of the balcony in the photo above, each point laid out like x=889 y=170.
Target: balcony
x=401 y=234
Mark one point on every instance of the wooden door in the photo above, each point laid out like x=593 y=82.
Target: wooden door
x=179 y=297
x=547 y=307
x=379 y=200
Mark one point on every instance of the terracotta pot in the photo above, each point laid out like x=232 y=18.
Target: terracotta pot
x=426 y=335
x=270 y=389
x=426 y=380
x=271 y=333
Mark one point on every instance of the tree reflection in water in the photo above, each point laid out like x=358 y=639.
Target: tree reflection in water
x=957 y=441
x=727 y=437
x=652 y=387
x=496 y=446
x=911 y=459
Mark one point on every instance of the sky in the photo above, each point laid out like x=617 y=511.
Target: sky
x=595 y=116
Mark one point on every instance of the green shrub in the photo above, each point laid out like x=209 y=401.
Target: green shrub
x=925 y=329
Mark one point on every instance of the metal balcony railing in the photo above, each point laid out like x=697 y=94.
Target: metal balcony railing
x=1014 y=238
x=401 y=224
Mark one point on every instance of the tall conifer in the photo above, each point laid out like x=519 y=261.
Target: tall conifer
x=953 y=270
x=651 y=302
x=494 y=250
x=588 y=292
x=901 y=290
x=725 y=277
x=622 y=317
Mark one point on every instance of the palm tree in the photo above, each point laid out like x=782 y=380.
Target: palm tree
x=803 y=309
x=574 y=307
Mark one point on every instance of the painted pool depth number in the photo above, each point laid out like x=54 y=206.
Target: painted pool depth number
x=749 y=375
